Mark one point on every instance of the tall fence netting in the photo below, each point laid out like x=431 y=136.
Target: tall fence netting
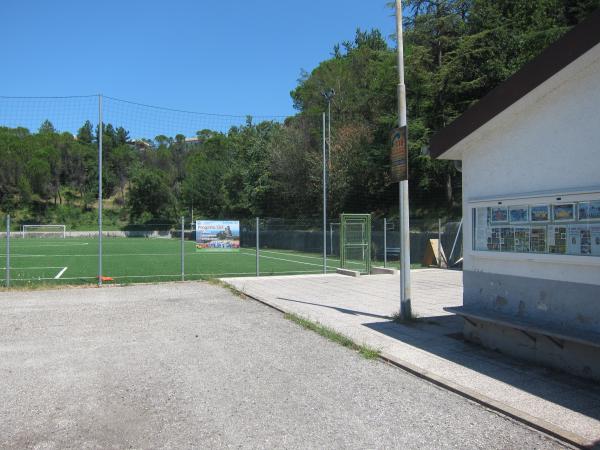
x=49 y=184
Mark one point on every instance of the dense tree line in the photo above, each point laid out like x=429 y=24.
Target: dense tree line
x=456 y=51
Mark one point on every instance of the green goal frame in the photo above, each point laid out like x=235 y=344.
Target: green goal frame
x=355 y=242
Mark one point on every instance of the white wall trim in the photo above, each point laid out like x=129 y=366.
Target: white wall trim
x=575 y=194
x=538 y=258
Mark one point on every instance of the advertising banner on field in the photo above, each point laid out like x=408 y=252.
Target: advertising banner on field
x=217 y=235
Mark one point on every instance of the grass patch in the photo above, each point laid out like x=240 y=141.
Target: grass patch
x=365 y=351
x=222 y=284
x=143 y=260
x=17 y=286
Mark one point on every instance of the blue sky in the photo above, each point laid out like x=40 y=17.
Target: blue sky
x=228 y=57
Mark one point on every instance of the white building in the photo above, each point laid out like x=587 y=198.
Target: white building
x=530 y=153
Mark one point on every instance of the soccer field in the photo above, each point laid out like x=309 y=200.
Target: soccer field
x=126 y=260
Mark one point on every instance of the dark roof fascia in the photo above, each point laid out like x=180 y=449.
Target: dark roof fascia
x=552 y=60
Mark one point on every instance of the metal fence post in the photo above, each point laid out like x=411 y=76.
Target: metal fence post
x=8 y=250
x=384 y=242
x=182 y=248
x=257 y=247
x=100 y=132
x=439 y=243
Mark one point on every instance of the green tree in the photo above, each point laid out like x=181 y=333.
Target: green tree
x=85 y=134
x=122 y=136
x=150 y=195
x=123 y=160
x=46 y=127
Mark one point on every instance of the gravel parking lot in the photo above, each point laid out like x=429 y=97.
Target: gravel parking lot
x=188 y=365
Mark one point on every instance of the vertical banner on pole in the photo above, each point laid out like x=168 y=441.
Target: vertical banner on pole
x=399 y=154
x=100 y=132
x=257 y=247
x=182 y=249
x=8 y=251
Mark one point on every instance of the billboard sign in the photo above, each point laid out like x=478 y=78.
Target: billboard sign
x=217 y=235
x=399 y=154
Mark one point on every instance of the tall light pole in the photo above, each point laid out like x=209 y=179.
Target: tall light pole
x=329 y=94
x=324 y=202
x=405 y=303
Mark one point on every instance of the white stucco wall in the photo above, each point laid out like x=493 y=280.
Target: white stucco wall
x=547 y=141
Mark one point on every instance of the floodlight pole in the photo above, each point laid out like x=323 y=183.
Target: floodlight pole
x=329 y=126
x=100 y=132
x=405 y=301
x=324 y=202
x=328 y=94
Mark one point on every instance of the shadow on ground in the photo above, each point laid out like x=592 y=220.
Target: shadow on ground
x=442 y=336
x=336 y=308
x=577 y=394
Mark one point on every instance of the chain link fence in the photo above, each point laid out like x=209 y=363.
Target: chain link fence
x=166 y=251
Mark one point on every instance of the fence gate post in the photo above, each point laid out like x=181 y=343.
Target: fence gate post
x=384 y=242
x=257 y=247
x=182 y=248
x=8 y=250
x=439 y=243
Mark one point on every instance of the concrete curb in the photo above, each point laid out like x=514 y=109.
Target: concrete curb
x=515 y=414
x=347 y=272
x=382 y=271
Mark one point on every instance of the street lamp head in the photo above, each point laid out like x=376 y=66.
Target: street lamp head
x=328 y=94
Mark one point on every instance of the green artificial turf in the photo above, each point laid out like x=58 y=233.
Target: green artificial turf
x=34 y=261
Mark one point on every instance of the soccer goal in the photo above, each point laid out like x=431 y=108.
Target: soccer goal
x=355 y=242
x=43 y=231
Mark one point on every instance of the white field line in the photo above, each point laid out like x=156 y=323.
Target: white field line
x=72 y=244
x=59 y=274
x=247 y=253
x=308 y=256
x=95 y=255
x=289 y=260
x=32 y=268
x=292 y=253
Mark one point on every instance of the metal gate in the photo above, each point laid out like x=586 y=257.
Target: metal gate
x=355 y=242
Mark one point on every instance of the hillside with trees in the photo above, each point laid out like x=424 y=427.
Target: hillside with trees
x=456 y=51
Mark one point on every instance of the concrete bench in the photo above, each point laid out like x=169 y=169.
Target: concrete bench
x=555 y=333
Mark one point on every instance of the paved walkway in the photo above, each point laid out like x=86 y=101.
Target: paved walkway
x=361 y=309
